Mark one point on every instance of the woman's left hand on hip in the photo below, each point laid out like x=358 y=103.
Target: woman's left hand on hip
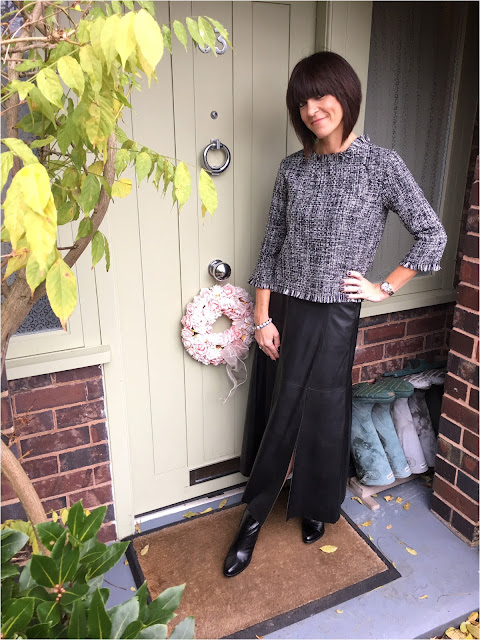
x=355 y=286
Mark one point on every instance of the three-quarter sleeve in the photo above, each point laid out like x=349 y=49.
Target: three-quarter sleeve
x=275 y=232
x=404 y=196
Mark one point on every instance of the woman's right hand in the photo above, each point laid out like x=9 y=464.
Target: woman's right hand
x=268 y=340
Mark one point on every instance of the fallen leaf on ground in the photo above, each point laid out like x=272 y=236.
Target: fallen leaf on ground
x=339 y=610
x=394 y=564
x=126 y=563
x=412 y=551
x=132 y=589
x=357 y=499
x=144 y=551
x=399 y=500
x=371 y=538
x=259 y=637
x=207 y=510
x=328 y=548
x=473 y=616
x=222 y=504
x=406 y=506
x=454 y=634
x=389 y=526
x=189 y=514
x=388 y=498
x=366 y=524
x=423 y=597
x=137 y=528
x=374 y=495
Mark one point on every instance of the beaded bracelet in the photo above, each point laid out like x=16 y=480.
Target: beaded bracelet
x=264 y=324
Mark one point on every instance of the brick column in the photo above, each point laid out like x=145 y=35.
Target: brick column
x=456 y=499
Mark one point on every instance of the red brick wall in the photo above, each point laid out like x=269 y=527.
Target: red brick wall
x=56 y=425
x=456 y=499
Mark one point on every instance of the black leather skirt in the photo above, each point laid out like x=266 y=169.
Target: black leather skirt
x=302 y=402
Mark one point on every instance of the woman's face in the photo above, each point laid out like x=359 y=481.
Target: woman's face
x=322 y=114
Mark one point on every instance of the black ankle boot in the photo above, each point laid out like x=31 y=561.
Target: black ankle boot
x=312 y=530
x=240 y=553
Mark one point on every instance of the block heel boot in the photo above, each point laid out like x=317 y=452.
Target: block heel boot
x=240 y=552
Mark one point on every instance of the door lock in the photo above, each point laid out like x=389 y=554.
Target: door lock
x=219 y=270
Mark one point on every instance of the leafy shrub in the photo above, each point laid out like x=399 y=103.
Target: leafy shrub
x=61 y=595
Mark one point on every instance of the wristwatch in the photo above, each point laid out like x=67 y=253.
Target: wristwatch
x=387 y=287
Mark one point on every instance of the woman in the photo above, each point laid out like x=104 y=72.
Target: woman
x=328 y=212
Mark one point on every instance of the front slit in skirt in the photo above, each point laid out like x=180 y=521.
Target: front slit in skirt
x=310 y=413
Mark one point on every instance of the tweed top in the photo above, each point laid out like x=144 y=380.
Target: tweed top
x=328 y=214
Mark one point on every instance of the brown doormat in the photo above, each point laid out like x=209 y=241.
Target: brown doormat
x=286 y=581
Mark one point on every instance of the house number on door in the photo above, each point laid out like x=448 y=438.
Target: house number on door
x=221 y=40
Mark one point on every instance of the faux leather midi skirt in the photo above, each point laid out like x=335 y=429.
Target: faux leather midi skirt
x=302 y=403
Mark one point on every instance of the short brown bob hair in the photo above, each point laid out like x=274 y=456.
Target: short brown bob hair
x=323 y=73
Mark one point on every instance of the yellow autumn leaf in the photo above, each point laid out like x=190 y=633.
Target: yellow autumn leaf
x=389 y=526
x=223 y=503
x=371 y=538
x=423 y=597
x=137 y=528
x=473 y=629
x=190 y=514
x=144 y=551
x=357 y=499
x=393 y=563
x=64 y=515
x=87 y=512
x=121 y=188
x=388 y=498
x=454 y=634
x=126 y=563
x=207 y=510
x=132 y=589
x=54 y=516
x=366 y=524
x=374 y=495
x=339 y=610
x=328 y=548
x=412 y=551
x=399 y=500
x=406 y=506
x=473 y=616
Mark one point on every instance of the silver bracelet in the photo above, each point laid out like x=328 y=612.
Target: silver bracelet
x=264 y=324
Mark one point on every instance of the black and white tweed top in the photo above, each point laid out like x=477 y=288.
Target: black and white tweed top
x=328 y=214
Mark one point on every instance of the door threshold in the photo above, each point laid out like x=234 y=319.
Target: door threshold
x=189 y=504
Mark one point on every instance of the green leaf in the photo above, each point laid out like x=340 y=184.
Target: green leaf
x=23 y=88
x=65 y=213
x=208 y=192
x=21 y=150
x=180 y=32
x=67 y=558
x=17 y=616
x=221 y=29
x=76 y=518
x=132 y=630
x=41 y=234
x=116 y=6
x=12 y=543
x=9 y=570
x=7 y=164
x=42 y=143
x=121 y=160
x=98 y=249
x=49 y=612
x=149 y=38
x=40 y=630
x=155 y=631
x=78 y=621
x=161 y=609
x=50 y=86
x=72 y=75
x=142 y=597
x=185 y=629
x=113 y=554
x=92 y=66
x=39 y=103
x=83 y=31
x=168 y=174
x=121 y=188
x=125 y=41
x=96 y=36
x=207 y=33
x=85 y=228
x=99 y=623
x=49 y=532
x=107 y=254
x=61 y=292
x=194 y=31
x=44 y=571
x=72 y=594
x=90 y=192
x=26 y=65
x=122 y=615
x=167 y=37
x=131 y=5
x=108 y=38
x=70 y=178
x=182 y=184
x=143 y=164
x=26 y=581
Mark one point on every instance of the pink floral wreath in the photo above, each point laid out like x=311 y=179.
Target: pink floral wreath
x=229 y=347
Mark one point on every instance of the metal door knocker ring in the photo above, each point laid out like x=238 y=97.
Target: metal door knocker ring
x=216 y=144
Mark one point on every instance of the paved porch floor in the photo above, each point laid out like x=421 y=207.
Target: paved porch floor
x=445 y=569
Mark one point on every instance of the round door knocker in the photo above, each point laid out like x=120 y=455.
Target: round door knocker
x=216 y=144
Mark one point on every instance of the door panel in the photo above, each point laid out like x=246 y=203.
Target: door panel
x=180 y=424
